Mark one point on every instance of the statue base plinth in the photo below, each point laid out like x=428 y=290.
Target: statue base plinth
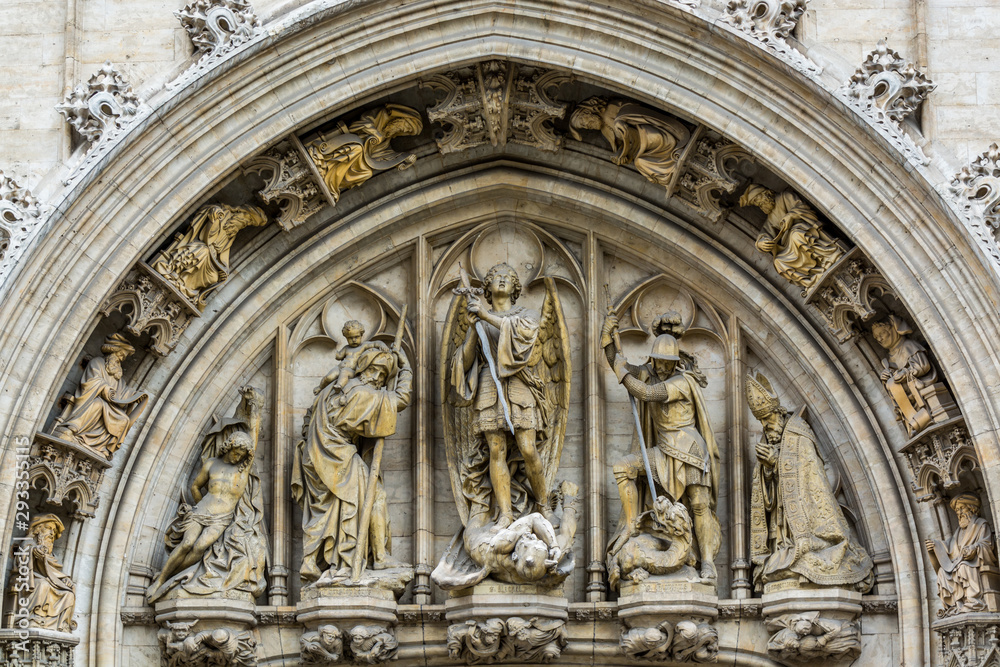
x=207 y=632
x=659 y=598
x=493 y=599
x=345 y=606
x=792 y=597
x=209 y=613
x=24 y=647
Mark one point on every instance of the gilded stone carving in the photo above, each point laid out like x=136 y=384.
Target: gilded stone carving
x=646 y=139
x=152 y=303
x=966 y=562
x=809 y=637
x=936 y=458
x=290 y=183
x=20 y=214
x=911 y=379
x=494 y=102
x=793 y=236
x=218 y=25
x=38 y=582
x=506 y=372
x=196 y=263
x=336 y=477
x=846 y=293
x=217 y=546
x=353 y=153
x=516 y=639
x=675 y=460
x=103 y=107
x=103 y=408
x=797 y=530
x=218 y=647
x=975 y=191
x=770 y=23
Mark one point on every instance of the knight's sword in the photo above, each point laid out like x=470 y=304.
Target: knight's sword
x=484 y=342
x=635 y=406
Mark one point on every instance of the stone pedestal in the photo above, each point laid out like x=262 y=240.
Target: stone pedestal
x=70 y=474
x=669 y=617
x=494 y=599
x=345 y=605
x=971 y=639
x=347 y=623
x=203 y=632
x=35 y=647
x=811 y=623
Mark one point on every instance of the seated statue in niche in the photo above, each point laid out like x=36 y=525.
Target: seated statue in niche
x=793 y=236
x=103 y=409
x=683 y=461
x=797 y=529
x=331 y=479
x=507 y=367
x=961 y=561
x=638 y=135
x=197 y=261
x=808 y=637
x=911 y=379
x=217 y=547
x=49 y=594
x=352 y=154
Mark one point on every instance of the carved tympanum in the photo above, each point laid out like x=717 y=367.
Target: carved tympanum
x=966 y=562
x=351 y=154
x=217 y=546
x=196 y=263
x=797 y=528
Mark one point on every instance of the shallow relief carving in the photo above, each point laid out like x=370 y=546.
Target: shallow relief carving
x=687 y=641
x=515 y=639
x=807 y=638
x=181 y=646
x=363 y=644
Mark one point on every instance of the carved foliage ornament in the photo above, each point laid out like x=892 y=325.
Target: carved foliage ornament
x=218 y=25
x=771 y=22
x=37 y=650
x=495 y=102
x=936 y=459
x=976 y=191
x=103 y=107
x=20 y=215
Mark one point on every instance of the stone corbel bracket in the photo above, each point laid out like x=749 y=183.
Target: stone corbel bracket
x=885 y=91
x=845 y=293
x=970 y=640
x=364 y=644
x=937 y=456
x=207 y=632
x=68 y=474
x=218 y=28
x=290 y=182
x=770 y=23
x=708 y=168
x=974 y=194
x=20 y=215
x=151 y=303
x=496 y=102
x=42 y=648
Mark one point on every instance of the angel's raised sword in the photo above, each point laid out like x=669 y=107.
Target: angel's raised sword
x=484 y=342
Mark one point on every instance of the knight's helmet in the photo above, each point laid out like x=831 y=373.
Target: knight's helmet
x=760 y=396
x=665 y=347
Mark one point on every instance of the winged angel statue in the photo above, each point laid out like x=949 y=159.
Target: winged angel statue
x=505 y=378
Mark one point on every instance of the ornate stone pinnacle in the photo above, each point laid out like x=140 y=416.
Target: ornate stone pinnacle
x=886 y=86
x=101 y=108
x=218 y=25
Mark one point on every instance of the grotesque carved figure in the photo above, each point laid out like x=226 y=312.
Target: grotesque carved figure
x=910 y=378
x=372 y=644
x=647 y=643
x=807 y=637
x=638 y=135
x=352 y=154
x=324 y=646
x=103 y=409
x=536 y=639
x=960 y=560
x=662 y=545
x=476 y=642
x=330 y=478
x=797 y=529
x=695 y=642
x=197 y=262
x=683 y=456
x=218 y=546
x=50 y=594
x=208 y=648
x=508 y=367
x=793 y=236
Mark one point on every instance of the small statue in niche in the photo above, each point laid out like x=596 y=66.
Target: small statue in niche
x=683 y=457
x=797 y=529
x=793 y=236
x=695 y=642
x=650 y=140
x=103 y=409
x=352 y=154
x=330 y=479
x=324 y=646
x=807 y=637
x=910 y=378
x=960 y=560
x=217 y=547
x=50 y=594
x=505 y=422
x=197 y=261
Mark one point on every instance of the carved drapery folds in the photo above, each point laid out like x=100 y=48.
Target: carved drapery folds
x=44 y=592
x=770 y=23
x=808 y=637
x=216 y=26
x=975 y=193
x=103 y=107
x=966 y=562
x=290 y=183
x=495 y=102
x=515 y=639
x=887 y=90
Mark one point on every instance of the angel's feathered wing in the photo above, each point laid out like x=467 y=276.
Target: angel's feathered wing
x=550 y=360
x=459 y=438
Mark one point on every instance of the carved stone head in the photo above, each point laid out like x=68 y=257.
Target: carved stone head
x=502 y=276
